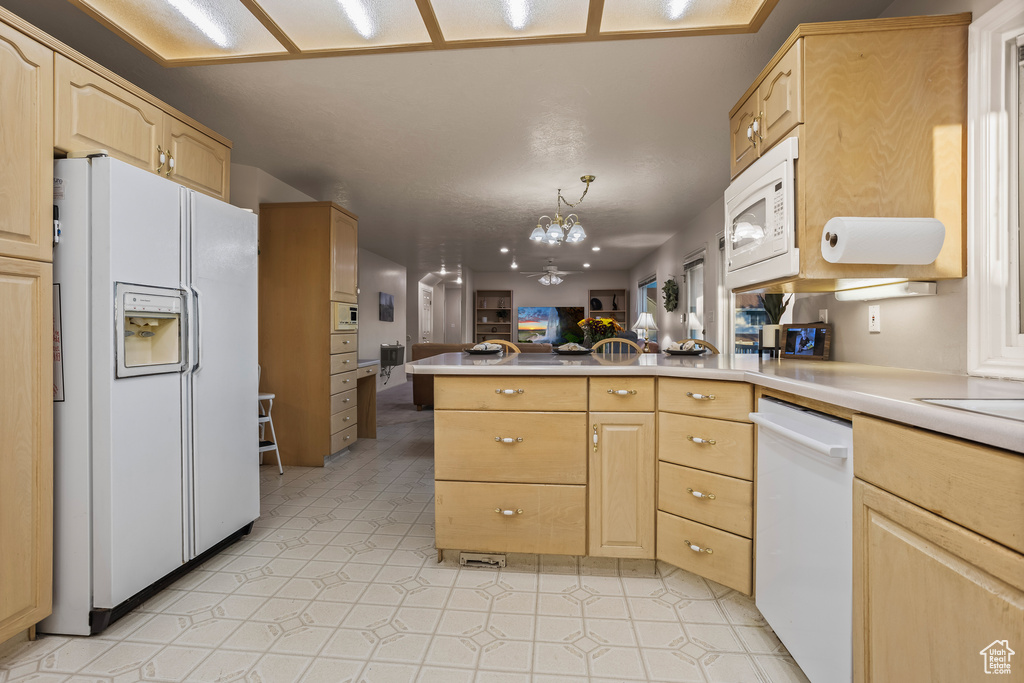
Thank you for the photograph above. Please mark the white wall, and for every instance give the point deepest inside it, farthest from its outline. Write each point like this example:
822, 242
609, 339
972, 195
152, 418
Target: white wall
251, 186
667, 262
377, 274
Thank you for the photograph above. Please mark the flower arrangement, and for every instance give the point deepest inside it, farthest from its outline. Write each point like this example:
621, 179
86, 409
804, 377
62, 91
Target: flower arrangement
596, 329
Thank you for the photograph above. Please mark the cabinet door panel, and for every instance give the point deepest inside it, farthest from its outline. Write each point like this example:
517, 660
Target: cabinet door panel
622, 504
26, 138
26, 450
200, 162
344, 246
93, 113
928, 595
781, 97
741, 148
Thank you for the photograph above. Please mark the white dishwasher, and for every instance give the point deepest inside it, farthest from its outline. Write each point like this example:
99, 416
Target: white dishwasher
804, 540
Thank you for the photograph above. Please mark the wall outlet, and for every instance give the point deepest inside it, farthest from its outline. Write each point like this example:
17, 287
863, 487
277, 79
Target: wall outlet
822, 315
874, 318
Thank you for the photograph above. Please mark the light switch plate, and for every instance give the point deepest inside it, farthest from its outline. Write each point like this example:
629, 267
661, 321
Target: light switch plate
874, 318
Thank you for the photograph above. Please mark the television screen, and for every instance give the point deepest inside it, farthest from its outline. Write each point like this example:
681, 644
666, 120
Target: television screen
550, 324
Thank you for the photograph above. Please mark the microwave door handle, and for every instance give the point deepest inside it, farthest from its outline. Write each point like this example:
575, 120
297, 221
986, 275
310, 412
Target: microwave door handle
197, 363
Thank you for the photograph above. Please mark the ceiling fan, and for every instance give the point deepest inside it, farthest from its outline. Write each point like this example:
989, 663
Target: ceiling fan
551, 275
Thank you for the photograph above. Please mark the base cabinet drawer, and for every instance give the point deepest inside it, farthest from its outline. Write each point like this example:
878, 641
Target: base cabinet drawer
620, 394
343, 382
343, 362
343, 401
343, 420
343, 343
724, 502
511, 447
707, 444
343, 439
706, 398
510, 393
515, 518
712, 553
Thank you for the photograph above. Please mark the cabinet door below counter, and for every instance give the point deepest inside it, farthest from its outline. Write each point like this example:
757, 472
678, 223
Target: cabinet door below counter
621, 485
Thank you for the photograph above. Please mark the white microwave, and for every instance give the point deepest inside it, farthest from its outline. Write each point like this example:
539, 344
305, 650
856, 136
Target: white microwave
760, 220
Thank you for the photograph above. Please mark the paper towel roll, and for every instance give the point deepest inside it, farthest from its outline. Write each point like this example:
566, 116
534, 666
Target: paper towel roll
906, 241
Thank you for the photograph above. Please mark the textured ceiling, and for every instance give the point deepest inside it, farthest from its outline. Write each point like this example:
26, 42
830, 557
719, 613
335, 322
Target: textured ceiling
448, 155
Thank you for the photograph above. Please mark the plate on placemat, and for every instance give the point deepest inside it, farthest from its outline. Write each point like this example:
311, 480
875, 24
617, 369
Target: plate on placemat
689, 352
573, 353
483, 352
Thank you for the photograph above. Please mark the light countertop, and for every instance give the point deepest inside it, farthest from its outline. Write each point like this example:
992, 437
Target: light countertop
367, 362
890, 393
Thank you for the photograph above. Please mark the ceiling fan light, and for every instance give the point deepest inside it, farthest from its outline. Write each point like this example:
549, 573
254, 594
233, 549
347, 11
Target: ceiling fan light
555, 280
544, 280
538, 234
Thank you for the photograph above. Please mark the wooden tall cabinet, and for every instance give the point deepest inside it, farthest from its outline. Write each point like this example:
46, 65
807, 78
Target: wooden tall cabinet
26, 329
879, 108
308, 255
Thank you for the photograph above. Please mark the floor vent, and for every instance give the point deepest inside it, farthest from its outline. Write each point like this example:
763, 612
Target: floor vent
481, 560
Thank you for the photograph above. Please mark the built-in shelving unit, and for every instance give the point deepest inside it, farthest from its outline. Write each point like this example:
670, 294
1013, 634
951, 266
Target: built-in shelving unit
494, 315
614, 305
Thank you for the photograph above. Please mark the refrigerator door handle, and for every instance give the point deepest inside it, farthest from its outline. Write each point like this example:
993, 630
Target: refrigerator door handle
197, 363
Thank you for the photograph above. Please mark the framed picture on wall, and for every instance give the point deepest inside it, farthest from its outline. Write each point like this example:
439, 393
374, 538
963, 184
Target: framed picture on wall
387, 307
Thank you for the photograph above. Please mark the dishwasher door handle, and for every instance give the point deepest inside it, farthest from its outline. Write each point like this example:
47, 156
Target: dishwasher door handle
765, 421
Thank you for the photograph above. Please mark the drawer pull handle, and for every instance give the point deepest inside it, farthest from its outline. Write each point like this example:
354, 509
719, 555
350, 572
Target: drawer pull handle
346, 362
509, 513
701, 397
508, 392
347, 341
346, 400
700, 494
698, 549
622, 392
697, 439
346, 419
508, 439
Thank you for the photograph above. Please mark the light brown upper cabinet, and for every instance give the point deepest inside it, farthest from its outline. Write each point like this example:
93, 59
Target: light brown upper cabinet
26, 138
199, 161
93, 112
768, 113
344, 245
879, 108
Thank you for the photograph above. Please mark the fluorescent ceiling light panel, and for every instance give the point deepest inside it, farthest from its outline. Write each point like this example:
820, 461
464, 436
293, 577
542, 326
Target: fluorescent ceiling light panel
479, 20
348, 24
187, 29
679, 15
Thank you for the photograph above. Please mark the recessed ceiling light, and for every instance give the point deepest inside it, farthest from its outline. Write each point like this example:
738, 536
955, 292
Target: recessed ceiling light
443, 271
677, 8
586, 265
504, 250
458, 280
201, 21
356, 12
514, 264
517, 12
595, 249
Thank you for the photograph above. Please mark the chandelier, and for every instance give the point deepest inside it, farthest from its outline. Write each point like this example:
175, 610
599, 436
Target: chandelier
558, 229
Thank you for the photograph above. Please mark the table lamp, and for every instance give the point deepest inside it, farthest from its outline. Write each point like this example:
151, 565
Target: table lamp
645, 323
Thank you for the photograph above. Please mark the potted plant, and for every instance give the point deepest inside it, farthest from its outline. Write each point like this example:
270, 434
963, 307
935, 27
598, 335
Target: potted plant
596, 329
774, 306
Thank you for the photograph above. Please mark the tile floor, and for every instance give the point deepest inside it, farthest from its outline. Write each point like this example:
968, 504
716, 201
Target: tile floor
339, 582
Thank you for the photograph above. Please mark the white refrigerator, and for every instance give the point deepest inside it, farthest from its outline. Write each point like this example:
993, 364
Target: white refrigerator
155, 415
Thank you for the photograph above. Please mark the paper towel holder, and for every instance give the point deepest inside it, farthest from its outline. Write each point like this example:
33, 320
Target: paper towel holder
853, 240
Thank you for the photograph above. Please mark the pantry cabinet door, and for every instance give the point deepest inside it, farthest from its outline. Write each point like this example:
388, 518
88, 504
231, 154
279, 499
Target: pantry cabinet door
742, 151
26, 449
344, 254
781, 98
94, 113
26, 143
199, 161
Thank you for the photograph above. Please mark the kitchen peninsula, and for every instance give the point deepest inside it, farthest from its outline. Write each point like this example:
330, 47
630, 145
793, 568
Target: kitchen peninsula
653, 457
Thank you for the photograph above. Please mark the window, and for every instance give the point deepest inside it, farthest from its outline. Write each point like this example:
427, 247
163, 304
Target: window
647, 300
693, 279
995, 313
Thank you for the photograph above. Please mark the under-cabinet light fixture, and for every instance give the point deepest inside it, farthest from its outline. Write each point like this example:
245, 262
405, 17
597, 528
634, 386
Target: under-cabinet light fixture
892, 290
